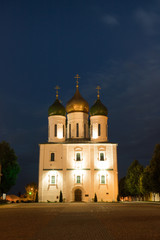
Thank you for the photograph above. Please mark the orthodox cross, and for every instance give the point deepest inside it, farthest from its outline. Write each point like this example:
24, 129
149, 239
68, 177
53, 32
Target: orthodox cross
57, 88
98, 88
77, 76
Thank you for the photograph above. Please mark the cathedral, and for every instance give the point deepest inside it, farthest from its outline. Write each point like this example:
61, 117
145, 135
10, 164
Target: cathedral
78, 160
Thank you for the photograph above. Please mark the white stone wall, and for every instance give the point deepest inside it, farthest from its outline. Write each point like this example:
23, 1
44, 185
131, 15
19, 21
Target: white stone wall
94, 121
65, 169
60, 121
77, 117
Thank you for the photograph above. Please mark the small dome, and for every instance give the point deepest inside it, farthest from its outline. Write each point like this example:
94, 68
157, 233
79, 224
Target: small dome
77, 103
98, 109
56, 109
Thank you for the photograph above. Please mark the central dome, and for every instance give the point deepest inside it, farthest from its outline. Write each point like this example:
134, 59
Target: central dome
77, 103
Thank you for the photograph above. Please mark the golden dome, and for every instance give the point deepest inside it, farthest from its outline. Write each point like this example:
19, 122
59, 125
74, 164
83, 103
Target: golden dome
77, 103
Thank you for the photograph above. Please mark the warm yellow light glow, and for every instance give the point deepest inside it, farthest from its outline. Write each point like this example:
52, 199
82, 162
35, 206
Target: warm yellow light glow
101, 165
60, 131
95, 133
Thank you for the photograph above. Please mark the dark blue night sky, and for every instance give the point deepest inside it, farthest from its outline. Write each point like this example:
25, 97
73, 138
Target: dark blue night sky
114, 44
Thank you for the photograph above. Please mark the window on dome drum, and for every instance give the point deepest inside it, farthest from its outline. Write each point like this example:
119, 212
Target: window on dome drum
78, 179
52, 157
78, 157
101, 156
55, 130
53, 180
91, 131
103, 180
77, 130
99, 129
84, 130
63, 130
69, 130
106, 130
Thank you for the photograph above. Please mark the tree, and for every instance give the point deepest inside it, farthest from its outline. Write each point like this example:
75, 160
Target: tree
31, 191
155, 170
61, 197
9, 167
146, 181
133, 179
123, 192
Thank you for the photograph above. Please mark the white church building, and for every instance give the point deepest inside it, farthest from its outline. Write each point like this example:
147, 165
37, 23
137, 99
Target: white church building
78, 159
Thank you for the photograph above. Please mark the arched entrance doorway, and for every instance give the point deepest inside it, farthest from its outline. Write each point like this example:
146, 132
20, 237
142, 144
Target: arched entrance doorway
78, 195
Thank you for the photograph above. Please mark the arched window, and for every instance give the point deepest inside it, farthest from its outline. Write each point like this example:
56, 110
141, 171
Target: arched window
63, 130
53, 179
84, 130
77, 130
101, 156
103, 179
78, 156
55, 130
78, 179
69, 130
52, 157
106, 130
99, 129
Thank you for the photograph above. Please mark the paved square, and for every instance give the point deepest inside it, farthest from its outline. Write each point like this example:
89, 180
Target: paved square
46, 221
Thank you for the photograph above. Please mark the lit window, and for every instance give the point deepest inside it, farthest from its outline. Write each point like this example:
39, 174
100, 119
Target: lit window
103, 179
52, 156
53, 180
55, 130
99, 129
101, 156
78, 157
78, 179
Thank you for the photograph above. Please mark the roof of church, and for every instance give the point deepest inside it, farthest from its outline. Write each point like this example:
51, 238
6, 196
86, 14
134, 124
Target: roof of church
98, 109
56, 109
77, 103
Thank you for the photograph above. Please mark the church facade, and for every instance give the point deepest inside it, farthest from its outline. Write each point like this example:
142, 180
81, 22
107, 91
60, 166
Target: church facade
78, 159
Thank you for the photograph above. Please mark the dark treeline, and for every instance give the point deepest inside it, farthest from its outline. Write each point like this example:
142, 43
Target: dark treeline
139, 181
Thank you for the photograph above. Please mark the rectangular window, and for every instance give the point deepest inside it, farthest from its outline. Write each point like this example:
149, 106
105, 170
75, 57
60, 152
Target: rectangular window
106, 130
55, 130
78, 179
78, 157
103, 180
91, 131
84, 130
101, 156
52, 157
53, 180
69, 130
63, 130
77, 128
99, 129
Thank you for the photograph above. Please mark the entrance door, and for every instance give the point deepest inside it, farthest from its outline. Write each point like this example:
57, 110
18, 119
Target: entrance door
78, 195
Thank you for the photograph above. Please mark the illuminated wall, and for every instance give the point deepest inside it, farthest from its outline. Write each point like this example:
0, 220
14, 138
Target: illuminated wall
56, 128
81, 119
99, 128
92, 173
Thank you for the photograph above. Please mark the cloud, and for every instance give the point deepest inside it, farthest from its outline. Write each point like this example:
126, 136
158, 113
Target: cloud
110, 20
148, 20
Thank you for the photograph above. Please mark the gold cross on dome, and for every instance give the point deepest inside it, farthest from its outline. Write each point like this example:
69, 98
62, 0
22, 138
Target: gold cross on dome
57, 88
98, 88
77, 76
